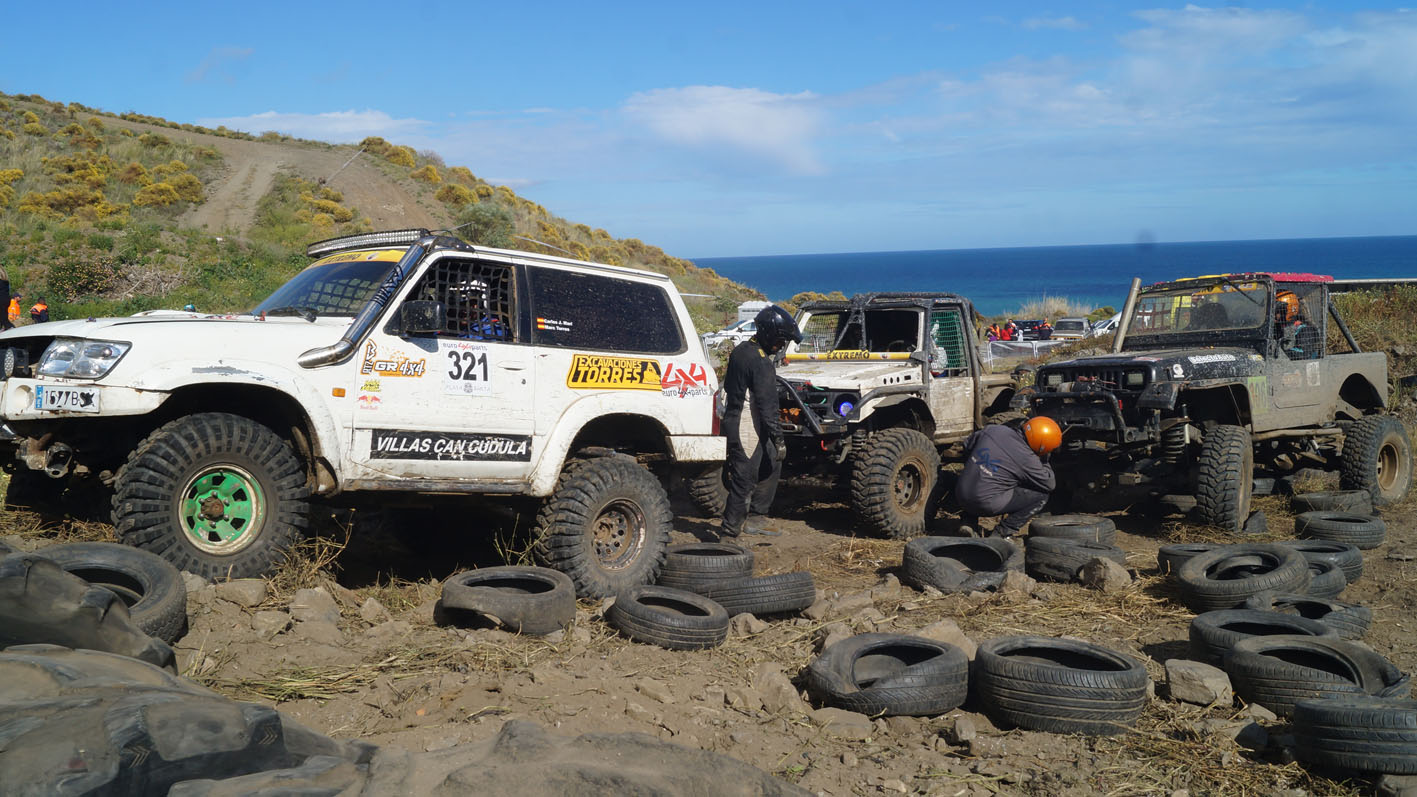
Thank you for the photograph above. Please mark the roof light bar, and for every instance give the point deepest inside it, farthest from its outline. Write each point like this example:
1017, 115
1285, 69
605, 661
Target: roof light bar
368, 239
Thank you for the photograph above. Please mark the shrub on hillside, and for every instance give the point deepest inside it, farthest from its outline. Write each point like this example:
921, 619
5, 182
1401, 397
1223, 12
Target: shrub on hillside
162, 170
65, 202
483, 191
334, 210
30, 118
35, 129
487, 224
134, 174
7, 133
154, 140
505, 194
462, 174
428, 174
455, 195
187, 185
159, 195
331, 194
8, 176
7, 195
75, 278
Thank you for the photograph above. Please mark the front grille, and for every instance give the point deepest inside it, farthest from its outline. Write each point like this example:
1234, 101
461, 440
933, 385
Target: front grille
1104, 377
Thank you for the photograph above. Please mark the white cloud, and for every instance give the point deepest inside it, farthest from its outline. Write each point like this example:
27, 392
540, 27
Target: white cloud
334, 126
214, 65
1060, 23
767, 127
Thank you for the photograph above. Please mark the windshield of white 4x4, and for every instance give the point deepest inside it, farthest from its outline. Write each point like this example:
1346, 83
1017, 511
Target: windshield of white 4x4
338, 285
1202, 307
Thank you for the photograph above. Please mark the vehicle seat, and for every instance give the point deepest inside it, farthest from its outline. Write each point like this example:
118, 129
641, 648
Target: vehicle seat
1209, 316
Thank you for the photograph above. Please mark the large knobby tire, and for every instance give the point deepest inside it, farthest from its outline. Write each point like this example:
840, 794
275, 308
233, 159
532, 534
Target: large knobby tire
704, 564
1059, 685
1377, 457
889, 675
1224, 477
1213, 634
528, 600
215, 494
1362, 734
1350, 620
606, 526
1279, 671
670, 618
1228, 576
893, 482
148, 585
708, 489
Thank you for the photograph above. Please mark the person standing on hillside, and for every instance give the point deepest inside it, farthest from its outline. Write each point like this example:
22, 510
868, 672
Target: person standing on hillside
1006, 472
13, 315
39, 313
756, 447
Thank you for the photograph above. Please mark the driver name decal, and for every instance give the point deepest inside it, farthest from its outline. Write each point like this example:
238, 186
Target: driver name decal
449, 446
596, 372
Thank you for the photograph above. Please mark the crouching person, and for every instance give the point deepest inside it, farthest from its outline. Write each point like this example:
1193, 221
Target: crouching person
1006, 472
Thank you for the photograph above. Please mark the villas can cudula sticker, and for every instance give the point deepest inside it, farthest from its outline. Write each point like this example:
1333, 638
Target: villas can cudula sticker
450, 446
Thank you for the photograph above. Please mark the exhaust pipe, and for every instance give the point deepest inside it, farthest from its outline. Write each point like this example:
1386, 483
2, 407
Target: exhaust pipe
1127, 309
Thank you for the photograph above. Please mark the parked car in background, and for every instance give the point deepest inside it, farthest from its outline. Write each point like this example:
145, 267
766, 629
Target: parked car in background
735, 334
1033, 330
1072, 329
1107, 325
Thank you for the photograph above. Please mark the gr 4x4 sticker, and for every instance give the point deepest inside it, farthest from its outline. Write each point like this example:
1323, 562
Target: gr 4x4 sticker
597, 372
392, 363
680, 381
453, 446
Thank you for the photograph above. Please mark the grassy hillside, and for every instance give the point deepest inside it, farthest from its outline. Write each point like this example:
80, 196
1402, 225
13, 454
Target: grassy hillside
99, 212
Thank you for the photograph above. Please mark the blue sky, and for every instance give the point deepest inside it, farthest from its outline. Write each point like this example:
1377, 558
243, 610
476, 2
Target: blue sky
746, 128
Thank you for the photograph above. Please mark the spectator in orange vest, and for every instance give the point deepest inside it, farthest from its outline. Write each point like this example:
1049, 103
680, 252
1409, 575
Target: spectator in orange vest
40, 312
12, 317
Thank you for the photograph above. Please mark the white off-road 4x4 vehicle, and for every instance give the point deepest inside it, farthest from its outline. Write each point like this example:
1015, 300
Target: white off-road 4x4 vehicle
401, 362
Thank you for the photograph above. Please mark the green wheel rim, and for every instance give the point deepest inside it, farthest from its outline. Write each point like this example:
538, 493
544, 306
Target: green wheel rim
222, 508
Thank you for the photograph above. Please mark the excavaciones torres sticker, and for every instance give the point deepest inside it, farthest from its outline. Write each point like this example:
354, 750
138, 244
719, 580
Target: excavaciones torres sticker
451, 446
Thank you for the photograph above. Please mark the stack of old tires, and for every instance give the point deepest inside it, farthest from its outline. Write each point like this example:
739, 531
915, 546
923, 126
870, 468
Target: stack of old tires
958, 564
1059, 546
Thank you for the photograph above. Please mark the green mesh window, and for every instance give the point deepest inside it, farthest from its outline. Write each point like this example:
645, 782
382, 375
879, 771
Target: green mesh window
948, 357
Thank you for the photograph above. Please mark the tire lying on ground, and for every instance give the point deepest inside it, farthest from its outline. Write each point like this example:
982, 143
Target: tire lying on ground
1089, 528
1214, 634
528, 600
1360, 734
1326, 579
1356, 501
148, 585
88, 722
670, 618
890, 674
1226, 577
1279, 671
1344, 554
1350, 620
1364, 531
956, 564
691, 565
1169, 558
1053, 559
765, 595
1058, 685
40, 603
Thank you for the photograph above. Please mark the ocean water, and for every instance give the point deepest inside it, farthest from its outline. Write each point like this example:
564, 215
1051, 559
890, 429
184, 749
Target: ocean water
1000, 281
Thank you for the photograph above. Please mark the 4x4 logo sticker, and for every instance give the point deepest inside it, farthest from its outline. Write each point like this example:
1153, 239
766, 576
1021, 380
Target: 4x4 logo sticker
594, 372
452, 446
680, 382
394, 363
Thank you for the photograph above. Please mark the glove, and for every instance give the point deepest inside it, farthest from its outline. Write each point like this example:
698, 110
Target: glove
780, 448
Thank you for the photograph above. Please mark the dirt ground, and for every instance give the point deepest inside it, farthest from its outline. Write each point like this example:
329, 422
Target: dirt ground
389, 671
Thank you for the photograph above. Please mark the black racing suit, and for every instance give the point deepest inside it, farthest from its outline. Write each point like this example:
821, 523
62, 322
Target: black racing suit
1002, 476
750, 421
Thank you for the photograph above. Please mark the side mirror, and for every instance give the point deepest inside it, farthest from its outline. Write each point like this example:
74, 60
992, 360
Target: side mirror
422, 317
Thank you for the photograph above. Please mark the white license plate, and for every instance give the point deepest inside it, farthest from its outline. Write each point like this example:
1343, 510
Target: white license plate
66, 399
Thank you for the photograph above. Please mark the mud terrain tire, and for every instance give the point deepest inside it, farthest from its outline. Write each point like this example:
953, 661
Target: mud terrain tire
1361, 734
1350, 620
893, 482
670, 618
1363, 531
692, 565
1279, 671
42, 604
215, 494
1226, 577
1059, 685
708, 489
1377, 457
890, 675
1224, 479
606, 526
526, 600
1214, 634
1089, 528
148, 585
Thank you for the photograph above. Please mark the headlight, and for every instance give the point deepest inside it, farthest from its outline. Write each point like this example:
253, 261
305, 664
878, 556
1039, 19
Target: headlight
1135, 379
1052, 380
81, 359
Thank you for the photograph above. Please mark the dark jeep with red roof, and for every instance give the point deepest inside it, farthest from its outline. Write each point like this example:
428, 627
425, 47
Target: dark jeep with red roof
1209, 376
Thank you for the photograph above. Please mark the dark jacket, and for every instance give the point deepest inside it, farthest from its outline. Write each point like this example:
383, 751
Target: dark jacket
750, 397
1000, 460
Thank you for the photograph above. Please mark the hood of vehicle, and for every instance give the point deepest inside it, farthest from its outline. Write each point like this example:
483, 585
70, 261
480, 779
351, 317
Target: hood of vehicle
852, 374
1186, 363
172, 327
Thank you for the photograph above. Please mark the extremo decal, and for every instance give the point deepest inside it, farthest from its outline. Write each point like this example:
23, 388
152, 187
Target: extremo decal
454, 446
597, 372
392, 363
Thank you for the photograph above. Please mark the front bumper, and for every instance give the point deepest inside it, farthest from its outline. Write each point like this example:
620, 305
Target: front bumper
1091, 415
698, 448
17, 400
